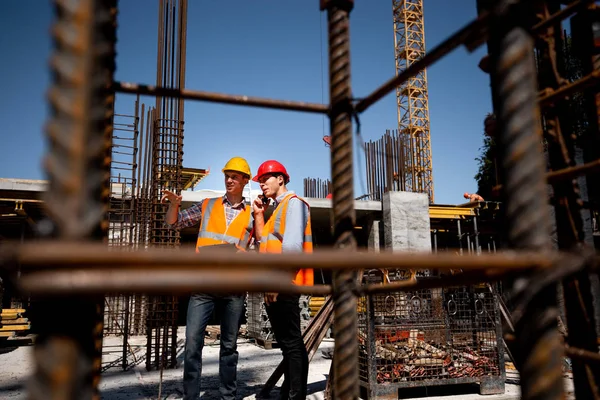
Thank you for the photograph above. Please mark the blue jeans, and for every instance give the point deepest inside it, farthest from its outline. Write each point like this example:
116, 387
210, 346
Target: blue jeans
200, 310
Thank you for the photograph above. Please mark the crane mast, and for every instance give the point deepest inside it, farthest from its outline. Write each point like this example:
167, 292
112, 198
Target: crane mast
412, 97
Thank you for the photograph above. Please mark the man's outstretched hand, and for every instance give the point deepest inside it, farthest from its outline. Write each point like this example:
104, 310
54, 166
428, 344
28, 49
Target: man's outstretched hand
172, 197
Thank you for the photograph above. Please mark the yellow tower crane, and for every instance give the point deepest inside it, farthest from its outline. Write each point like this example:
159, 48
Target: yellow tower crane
412, 97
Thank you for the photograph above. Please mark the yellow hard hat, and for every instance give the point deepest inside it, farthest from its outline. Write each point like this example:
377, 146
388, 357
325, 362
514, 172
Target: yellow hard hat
238, 164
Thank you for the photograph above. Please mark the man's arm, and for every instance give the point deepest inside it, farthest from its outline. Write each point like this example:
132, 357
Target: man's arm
296, 219
172, 213
184, 218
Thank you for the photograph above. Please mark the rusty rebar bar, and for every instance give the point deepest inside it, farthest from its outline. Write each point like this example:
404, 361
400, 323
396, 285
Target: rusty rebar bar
65, 255
581, 354
527, 211
187, 94
550, 96
161, 282
177, 280
472, 34
573, 7
345, 357
447, 46
593, 167
79, 131
571, 352
579, 304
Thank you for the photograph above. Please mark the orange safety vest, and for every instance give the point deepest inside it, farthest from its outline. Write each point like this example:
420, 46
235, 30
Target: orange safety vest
274, 231
214, 229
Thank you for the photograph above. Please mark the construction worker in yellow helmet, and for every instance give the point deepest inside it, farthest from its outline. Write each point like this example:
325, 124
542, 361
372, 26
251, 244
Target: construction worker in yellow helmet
225, 220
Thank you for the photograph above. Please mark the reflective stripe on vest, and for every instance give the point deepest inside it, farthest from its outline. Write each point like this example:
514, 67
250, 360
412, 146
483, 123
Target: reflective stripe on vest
214, 229
273, 234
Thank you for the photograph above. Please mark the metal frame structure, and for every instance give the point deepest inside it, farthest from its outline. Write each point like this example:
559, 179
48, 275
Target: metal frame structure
167, 165
69, 269
412, 99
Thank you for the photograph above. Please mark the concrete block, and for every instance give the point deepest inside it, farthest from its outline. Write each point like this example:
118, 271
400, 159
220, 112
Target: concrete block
406, 222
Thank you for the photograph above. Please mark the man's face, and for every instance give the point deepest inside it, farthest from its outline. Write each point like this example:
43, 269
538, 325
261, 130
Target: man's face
269, 184
235, 182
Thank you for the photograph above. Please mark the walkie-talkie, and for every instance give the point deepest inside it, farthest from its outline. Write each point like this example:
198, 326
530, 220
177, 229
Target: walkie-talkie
265, 200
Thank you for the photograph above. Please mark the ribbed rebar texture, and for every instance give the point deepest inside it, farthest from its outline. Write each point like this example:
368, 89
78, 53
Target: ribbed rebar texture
560, 135
527, 209
76, 163
68, 349
346, 345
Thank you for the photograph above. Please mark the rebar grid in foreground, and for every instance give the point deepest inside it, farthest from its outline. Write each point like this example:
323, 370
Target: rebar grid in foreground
85, 218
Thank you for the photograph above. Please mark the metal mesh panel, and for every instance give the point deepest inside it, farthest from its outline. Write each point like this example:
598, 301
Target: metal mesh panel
161, 332
429, 336
258, 325
125, 313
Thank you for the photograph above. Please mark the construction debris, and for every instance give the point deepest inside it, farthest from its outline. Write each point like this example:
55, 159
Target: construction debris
417, 358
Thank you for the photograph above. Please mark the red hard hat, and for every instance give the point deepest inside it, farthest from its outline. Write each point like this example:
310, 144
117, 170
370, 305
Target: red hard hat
271, 167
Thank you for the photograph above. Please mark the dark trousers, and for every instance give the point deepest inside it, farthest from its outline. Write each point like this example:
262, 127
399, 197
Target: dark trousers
200, 310
284, 316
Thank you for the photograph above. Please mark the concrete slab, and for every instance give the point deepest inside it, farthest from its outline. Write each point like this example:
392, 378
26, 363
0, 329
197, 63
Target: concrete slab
23, 184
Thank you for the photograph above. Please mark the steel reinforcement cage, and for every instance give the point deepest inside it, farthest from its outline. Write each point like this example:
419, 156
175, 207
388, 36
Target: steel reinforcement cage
427, 337
67, 269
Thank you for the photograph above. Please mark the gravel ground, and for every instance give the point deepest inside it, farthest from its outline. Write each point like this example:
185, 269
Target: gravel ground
254, 367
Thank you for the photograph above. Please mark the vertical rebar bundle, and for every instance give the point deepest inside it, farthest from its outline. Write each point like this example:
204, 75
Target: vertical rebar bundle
167, 163
385, 163
123, 179
128, 220
317, 187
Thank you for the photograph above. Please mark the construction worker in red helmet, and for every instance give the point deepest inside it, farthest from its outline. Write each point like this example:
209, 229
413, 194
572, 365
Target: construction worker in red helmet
223, 220
287, 230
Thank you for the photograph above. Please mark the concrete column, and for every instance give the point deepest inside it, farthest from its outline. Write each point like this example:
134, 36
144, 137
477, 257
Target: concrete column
375, 236
406, 224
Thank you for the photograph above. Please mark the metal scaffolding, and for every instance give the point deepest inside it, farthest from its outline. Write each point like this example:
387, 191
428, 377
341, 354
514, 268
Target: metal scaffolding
412, 99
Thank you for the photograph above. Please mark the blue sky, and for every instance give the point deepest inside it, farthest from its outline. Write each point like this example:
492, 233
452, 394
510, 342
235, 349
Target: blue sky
258, 48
